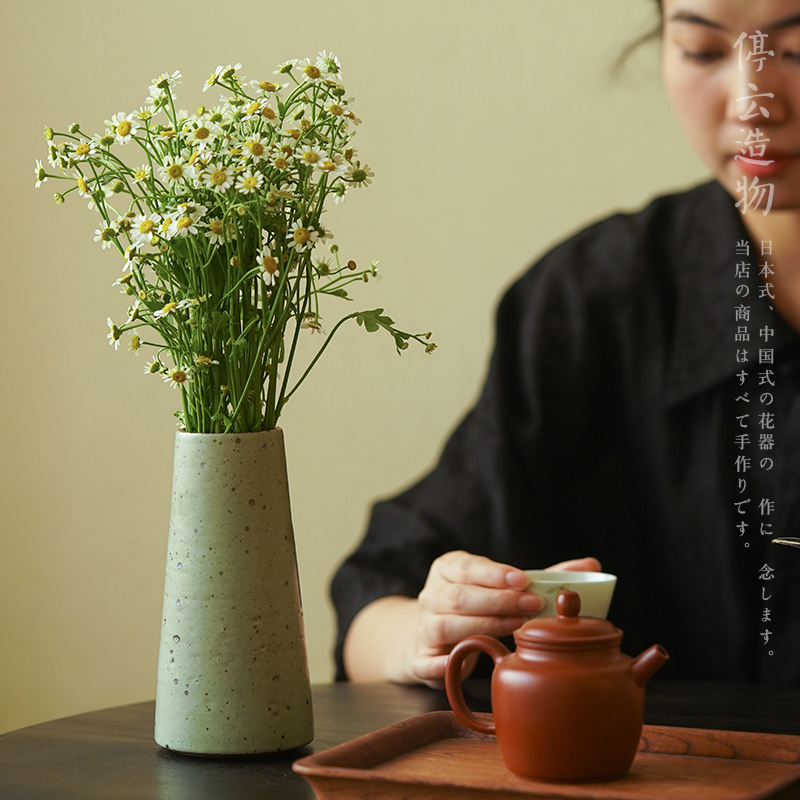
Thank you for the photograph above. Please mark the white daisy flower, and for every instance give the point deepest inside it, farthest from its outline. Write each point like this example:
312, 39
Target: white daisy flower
358, 175
247, 182
349, 115
285, 68
202, 135
182, 226
216, 231
269, 267
175, 169
193, 210
114, 334
311, 156
268, 113
177, 376
144, 228
267, 86
310, 69
166, 310
302, 238
218, 177
141, 174
52, 155
152, 367
105, 236
330, 66
131, 254
123, 126
256, 147
84, 150
163, 82
332, 165
339, 192
205, 361
323, 234
41, 176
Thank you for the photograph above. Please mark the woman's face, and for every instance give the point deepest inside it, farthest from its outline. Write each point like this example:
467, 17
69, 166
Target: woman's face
706, 81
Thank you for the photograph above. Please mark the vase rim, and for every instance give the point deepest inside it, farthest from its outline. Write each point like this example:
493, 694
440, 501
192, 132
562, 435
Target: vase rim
184, 432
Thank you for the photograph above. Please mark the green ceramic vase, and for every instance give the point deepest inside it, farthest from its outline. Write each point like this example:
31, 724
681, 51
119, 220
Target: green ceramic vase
232, 665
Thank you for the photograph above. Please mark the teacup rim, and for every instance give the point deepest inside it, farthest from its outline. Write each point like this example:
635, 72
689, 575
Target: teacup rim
565, 576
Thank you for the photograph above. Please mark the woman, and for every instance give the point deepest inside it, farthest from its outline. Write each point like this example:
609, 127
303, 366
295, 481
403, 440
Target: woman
642, 405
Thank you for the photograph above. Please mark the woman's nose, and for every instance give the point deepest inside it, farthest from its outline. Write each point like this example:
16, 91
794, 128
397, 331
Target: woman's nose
756, 93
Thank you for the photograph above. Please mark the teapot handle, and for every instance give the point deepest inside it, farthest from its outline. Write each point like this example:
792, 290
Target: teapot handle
452, 677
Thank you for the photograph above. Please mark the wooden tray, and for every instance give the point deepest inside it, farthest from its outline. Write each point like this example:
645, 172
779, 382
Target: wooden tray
433, 756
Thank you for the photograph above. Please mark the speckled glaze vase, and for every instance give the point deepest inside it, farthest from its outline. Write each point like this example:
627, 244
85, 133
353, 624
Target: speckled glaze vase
232, 665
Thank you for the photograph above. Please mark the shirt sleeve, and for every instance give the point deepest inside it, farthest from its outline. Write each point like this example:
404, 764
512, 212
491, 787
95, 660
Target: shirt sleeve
502, 485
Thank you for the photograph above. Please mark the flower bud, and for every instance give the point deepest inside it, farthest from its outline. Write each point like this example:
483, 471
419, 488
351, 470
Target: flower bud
59, 198
351, 264
74, 128
48, 133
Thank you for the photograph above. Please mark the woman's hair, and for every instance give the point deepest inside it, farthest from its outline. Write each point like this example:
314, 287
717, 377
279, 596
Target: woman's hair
653, 34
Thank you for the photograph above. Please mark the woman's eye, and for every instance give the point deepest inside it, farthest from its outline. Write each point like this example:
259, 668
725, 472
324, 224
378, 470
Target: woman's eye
792, 55
702, 56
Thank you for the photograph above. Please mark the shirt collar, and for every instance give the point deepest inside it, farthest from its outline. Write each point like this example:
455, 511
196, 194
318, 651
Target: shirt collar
708, 229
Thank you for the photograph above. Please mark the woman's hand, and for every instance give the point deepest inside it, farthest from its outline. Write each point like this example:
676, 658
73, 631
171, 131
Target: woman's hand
466, 594
408, 640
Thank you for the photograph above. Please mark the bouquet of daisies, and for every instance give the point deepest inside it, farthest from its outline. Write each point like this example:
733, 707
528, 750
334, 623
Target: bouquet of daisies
218, 218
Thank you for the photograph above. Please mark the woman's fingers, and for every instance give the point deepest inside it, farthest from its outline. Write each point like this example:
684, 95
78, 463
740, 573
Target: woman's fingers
471, 600
460, 567
442, 631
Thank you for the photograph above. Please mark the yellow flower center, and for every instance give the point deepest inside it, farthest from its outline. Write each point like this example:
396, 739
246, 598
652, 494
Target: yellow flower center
184, 222
202, 133
124, 128
140, 175
294, 133
250, 182
336, 110
310, 157
218, 177
82, 150
82, 185
266, 86
256, 148
215, 226
146, 225
270, 265
136, 342
179, 376
328, 166
168, 308
268, 113
281, 163
174, 171
312, 72
301, 235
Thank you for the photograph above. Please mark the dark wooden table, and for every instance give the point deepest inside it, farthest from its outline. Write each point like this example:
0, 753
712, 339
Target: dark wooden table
111, 755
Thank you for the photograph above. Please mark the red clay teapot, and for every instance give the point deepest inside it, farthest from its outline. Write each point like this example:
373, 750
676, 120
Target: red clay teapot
567, 703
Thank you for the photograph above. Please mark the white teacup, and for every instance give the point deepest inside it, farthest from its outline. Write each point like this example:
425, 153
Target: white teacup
595, 589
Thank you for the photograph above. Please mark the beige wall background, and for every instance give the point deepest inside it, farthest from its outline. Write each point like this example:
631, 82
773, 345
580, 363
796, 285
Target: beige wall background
494, 131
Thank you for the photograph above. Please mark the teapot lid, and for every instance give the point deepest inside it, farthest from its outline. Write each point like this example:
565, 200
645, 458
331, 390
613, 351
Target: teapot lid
568, 629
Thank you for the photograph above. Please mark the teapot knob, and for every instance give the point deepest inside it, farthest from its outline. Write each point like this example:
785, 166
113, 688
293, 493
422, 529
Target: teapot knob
568, 603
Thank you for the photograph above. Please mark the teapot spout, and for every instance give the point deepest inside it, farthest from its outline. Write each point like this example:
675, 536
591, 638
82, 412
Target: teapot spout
648, 663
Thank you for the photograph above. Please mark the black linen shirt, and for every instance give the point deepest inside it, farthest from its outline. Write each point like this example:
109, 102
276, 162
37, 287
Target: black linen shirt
608, 426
